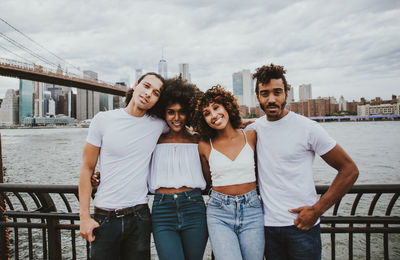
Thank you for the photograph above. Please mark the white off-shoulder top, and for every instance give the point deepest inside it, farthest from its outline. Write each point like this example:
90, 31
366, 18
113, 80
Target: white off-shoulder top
174, 165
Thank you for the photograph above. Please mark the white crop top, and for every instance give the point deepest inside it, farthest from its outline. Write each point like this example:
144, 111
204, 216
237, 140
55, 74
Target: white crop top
226, 172
174, 165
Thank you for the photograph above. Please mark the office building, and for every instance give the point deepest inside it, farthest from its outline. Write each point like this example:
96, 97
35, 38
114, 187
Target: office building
305, 92
163, 68
290, 97
38, 109
9, 109
243, 88
87, 101
342, 104
184, 71
25, 99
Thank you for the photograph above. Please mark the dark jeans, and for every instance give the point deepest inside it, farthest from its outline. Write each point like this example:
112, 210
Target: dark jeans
292, 243
122, 238
179, 225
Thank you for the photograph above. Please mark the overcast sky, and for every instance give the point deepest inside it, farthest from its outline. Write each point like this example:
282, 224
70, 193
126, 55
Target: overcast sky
349, 48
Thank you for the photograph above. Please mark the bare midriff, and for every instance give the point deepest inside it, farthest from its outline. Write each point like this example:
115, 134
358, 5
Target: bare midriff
237, 189
173, 190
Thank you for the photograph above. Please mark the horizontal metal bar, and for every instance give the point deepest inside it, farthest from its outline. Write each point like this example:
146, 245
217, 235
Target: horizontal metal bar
360, 220
360, 230
36, 214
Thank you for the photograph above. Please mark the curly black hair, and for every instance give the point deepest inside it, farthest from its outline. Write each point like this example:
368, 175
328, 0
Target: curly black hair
155, 110
265, 73
219, 95
179, 91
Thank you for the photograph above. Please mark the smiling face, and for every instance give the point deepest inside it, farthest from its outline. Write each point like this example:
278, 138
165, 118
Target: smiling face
147, 92
272, 98
175, 117
216, 116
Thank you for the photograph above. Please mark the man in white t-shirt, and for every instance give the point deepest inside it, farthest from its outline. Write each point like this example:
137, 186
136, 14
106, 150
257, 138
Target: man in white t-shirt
122, 140
286, 146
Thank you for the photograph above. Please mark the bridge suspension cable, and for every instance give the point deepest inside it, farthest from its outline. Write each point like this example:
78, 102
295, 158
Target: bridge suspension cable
4, 48
15, 43
38, 44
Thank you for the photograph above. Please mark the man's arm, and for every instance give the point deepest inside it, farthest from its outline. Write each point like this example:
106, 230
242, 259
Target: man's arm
87, 224
344, 180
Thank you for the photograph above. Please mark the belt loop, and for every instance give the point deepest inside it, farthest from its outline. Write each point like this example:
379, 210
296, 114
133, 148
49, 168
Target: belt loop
162, 197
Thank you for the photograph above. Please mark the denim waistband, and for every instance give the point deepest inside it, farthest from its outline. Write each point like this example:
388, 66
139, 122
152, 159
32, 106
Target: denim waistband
229, 198
184, 194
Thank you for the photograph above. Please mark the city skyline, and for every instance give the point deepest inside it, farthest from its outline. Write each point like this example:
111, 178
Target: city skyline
346, 48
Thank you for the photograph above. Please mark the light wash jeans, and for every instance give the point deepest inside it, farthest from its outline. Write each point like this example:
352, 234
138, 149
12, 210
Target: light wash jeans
236, 226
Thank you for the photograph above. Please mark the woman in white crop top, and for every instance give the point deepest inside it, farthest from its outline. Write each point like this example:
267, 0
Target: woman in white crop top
234, 211
178, 212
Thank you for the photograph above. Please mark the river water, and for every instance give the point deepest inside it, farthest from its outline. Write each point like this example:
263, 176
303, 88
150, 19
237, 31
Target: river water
53, 156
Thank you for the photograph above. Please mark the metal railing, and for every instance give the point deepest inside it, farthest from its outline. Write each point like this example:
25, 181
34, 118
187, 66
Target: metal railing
43, 221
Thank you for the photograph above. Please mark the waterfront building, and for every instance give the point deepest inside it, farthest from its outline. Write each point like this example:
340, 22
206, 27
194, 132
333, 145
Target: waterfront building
184, 71
9, 109
305, 92
87, 101
342, 104
52, 107
315, 107
290, 97
25, 99
243, 88
379, 107
38, 108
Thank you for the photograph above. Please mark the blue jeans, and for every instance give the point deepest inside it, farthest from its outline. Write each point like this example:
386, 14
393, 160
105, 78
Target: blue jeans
236, 226
292, 243
179, 225
122, 238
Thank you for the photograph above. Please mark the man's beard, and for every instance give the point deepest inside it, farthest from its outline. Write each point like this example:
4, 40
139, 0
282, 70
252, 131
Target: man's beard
264, 108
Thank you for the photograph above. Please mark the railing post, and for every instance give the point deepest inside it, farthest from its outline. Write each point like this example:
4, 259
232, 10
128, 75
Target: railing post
4, 236
54, 241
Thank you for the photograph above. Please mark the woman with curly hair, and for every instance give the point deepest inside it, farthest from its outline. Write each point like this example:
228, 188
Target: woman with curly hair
234, 212
176, 178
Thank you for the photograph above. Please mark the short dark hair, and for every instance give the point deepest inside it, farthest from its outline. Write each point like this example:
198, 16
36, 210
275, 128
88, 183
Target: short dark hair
219, 95
128, 95
265, 73
179, 91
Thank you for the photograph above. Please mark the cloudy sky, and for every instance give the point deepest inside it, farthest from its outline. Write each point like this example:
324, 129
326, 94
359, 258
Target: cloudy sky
344, 47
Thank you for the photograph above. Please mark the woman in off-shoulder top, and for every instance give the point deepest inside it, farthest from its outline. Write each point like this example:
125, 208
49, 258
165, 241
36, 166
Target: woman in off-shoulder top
176, 178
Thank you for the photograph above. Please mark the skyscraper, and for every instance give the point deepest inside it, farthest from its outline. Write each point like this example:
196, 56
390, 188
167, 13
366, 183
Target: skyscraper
9, 108
25, 99
162, 66
87, 101
305, 92
184, 71
243, 88
290, 97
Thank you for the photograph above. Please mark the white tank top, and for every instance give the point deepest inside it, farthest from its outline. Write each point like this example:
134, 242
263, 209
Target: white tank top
226, 172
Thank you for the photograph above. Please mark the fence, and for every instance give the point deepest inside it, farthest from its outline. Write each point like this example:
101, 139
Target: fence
43, 221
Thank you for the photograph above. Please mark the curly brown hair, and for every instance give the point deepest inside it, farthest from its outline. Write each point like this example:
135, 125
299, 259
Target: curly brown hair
219, 95
265, 73
179, 91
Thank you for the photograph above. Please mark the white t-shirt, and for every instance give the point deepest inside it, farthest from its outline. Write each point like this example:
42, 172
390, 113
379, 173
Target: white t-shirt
285, 153
127, 143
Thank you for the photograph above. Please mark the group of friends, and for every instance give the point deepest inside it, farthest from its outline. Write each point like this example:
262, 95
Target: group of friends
174, 140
